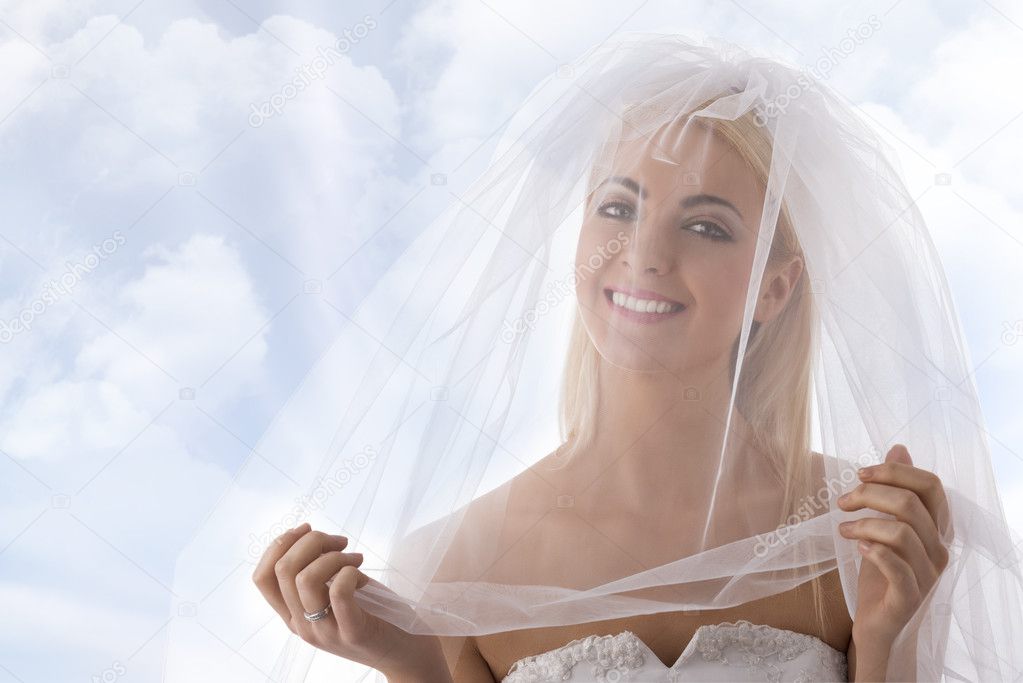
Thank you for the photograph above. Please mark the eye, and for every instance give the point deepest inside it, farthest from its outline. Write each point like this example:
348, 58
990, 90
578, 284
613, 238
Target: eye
715, 231
621, 210
617, 209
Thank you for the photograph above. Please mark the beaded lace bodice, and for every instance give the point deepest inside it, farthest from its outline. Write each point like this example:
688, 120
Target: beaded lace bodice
730, 651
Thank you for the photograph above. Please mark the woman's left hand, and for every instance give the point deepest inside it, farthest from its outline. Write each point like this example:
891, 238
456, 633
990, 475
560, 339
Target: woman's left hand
904, 556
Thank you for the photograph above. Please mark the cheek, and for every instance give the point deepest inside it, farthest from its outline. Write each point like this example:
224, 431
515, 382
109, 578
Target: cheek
719, 289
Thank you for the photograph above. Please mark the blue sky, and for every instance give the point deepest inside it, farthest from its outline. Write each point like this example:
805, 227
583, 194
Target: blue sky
207, 253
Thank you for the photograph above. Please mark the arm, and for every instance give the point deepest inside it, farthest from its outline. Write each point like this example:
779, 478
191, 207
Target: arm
873, 666
870, 662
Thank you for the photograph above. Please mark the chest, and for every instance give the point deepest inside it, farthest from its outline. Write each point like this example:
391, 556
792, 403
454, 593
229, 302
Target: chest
668, 633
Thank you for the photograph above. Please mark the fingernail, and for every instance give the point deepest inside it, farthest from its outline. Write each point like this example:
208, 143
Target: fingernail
864, 545
865, 472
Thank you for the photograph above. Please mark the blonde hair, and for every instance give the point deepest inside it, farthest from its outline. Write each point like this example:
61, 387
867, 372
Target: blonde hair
773, 396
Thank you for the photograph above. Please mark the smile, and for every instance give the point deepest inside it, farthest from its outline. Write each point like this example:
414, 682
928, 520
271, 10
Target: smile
641, 310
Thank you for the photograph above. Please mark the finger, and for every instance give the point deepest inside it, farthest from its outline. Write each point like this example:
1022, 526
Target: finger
901, 579
266, 579
898, 470
349, 616
313, 590
906, 506
898, 536
299, 555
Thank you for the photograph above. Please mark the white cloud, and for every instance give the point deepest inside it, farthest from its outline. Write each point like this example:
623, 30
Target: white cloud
966, 96
203, 282
30, 608
168, 313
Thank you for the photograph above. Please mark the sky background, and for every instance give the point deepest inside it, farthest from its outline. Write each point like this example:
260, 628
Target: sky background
206, 249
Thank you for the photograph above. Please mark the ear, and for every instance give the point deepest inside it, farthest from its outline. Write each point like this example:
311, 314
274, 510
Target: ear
777, 288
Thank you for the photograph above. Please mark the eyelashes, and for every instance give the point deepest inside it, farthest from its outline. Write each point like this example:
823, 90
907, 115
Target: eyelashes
614, 204
716, 232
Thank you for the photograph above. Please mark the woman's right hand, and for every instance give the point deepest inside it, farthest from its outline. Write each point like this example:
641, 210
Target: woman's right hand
292, 575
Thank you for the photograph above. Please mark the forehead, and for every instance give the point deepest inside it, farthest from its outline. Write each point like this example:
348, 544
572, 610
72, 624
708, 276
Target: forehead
679, 160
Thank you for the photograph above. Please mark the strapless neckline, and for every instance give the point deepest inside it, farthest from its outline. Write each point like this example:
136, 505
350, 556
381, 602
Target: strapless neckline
764, 652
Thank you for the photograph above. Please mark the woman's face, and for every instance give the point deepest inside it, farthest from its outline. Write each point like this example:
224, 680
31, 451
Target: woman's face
689, 210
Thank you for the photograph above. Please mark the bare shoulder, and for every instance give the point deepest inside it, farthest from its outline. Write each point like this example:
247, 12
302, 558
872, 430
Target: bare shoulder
453, 537
821, 462
460, 544
823, 465
469, 538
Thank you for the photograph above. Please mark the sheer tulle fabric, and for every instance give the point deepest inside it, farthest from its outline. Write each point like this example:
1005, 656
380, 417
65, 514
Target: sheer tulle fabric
484, 431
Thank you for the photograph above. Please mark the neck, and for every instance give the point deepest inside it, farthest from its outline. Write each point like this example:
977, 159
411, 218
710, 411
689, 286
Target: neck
665, 429
662, 407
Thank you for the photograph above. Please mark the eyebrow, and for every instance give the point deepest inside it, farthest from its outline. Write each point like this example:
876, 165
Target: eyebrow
687, 203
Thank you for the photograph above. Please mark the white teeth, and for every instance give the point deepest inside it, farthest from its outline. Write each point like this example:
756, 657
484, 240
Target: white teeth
643, 305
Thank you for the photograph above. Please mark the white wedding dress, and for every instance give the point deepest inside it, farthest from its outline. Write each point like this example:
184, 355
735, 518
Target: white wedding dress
730, 651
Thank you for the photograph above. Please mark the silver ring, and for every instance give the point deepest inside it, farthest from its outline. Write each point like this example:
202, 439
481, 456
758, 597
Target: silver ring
316, 616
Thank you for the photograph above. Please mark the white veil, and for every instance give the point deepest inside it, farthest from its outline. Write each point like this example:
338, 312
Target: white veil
628, 374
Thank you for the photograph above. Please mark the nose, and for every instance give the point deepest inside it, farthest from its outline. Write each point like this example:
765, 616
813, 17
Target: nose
648, 251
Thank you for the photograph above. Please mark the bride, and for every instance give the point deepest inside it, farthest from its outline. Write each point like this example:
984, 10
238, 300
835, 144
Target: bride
739, 298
